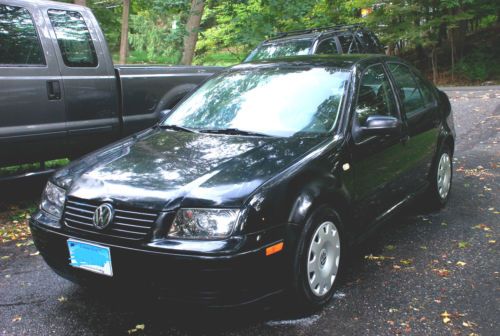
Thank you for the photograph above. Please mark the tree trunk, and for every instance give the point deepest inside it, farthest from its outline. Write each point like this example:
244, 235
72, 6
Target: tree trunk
192, 27
452, 47
434, 64
124, 37
80, 2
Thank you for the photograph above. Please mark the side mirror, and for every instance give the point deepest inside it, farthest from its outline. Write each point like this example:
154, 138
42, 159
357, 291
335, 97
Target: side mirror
164, 114
379, 125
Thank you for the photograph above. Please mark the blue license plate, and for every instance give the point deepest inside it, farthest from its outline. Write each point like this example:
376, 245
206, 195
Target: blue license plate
91, 257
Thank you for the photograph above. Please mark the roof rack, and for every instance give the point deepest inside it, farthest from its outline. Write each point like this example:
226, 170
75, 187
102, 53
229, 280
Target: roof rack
317, 30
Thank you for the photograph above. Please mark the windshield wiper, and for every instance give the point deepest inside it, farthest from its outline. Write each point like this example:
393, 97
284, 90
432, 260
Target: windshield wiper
178, 128
233, 131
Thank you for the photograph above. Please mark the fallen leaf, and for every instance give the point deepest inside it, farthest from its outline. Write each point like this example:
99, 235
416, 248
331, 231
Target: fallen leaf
5, 257
461, 263
445, 314
463, 244
35, 254
442, 272
446, 317
390, 247
136, 329
406, 262
379, 258
17, 318
491, 241
62, 299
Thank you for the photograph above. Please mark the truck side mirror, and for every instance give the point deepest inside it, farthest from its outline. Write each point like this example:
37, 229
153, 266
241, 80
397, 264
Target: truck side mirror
164, 114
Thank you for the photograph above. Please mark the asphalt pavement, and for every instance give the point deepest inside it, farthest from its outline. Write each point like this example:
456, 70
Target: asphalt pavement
422, 274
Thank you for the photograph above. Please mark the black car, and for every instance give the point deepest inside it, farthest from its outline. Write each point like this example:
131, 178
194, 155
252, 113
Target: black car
256, 184
341, 39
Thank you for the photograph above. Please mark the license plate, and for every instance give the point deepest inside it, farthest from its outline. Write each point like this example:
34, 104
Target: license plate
91, 257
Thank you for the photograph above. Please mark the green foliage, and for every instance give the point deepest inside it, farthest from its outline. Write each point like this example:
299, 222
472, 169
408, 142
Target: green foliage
479, 66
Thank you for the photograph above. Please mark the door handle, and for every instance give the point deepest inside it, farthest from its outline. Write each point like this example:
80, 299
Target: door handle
54, 90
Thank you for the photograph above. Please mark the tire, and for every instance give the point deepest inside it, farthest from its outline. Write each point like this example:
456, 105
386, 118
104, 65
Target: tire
318, 259
441, 179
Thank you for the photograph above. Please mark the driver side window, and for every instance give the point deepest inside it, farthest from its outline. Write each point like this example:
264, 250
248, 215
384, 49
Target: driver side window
375, 95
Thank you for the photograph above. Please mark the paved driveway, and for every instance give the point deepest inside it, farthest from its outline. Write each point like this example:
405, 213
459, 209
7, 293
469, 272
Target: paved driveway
422, 274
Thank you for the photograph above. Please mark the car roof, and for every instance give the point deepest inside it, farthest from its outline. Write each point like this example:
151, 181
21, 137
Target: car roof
342, 61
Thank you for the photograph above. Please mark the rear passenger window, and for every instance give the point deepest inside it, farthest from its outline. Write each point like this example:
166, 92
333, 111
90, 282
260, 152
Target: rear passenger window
409, 91
327, 47
19, 43
375, 96
426, 91
74, 39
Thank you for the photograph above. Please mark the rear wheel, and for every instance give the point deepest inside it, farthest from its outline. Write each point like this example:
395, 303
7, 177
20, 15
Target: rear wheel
318, 259
441, 179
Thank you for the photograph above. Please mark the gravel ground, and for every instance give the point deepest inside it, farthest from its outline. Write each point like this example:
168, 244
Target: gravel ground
421, 274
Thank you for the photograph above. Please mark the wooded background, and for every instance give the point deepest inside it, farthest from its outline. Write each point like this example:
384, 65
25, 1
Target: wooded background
451, 40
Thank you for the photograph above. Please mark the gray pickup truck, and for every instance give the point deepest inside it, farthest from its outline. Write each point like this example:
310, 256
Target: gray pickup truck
61, 95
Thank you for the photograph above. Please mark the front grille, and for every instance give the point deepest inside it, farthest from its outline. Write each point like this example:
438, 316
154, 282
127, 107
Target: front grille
128, 223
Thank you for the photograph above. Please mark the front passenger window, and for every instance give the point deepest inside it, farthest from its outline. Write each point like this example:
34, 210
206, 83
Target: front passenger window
375, 96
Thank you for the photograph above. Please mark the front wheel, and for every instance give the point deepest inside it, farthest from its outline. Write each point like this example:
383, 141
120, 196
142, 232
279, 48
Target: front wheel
318, 258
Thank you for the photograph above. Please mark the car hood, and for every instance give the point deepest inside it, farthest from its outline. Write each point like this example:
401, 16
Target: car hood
163, 169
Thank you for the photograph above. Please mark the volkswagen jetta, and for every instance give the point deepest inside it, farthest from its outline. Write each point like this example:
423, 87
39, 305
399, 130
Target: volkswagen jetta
256, 184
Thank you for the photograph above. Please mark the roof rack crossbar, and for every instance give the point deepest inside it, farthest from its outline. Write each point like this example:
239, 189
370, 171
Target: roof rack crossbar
319, 29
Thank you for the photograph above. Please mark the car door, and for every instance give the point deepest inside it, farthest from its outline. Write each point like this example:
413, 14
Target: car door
379, 161
420, 108
32, 117
88, 78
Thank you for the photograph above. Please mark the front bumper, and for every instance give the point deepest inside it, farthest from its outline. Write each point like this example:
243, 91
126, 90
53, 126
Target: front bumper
207, 280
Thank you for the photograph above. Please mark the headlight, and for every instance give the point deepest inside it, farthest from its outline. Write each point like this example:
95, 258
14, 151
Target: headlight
53, 199
204, 223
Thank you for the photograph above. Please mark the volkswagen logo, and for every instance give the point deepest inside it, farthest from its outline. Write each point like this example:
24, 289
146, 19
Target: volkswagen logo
103, 215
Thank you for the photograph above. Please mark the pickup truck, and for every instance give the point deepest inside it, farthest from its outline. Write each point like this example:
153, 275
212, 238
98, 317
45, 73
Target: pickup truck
60, 94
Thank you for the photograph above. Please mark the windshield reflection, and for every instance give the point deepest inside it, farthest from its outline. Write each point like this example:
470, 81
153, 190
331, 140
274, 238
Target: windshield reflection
274, 101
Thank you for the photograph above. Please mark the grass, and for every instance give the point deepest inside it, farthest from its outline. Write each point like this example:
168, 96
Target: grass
31, 167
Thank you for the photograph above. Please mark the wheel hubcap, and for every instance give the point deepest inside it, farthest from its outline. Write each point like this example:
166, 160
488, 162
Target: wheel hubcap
323, 258
444, 175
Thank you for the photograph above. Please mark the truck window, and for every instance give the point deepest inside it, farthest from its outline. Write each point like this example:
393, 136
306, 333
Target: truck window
348, 43
327, 47
19, 43
73, 37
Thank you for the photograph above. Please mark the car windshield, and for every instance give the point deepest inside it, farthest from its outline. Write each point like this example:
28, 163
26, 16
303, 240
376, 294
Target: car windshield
281, 49
270, 101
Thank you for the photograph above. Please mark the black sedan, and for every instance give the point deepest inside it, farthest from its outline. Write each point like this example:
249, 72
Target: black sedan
254, 185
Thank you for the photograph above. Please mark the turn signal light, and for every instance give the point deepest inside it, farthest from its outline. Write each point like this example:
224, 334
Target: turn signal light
274, 249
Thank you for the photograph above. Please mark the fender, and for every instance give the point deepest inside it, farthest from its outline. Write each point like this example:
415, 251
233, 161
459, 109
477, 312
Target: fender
325, 189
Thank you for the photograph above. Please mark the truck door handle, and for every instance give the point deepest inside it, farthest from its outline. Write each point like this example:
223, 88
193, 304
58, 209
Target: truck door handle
54, 90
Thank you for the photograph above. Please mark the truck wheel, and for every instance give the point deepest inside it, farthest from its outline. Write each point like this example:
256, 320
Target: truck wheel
441, 179
318, 259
